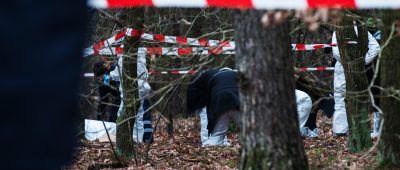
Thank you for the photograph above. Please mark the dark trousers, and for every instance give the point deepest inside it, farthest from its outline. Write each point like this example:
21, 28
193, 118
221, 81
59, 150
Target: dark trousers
41, 51
148, 130
110, 100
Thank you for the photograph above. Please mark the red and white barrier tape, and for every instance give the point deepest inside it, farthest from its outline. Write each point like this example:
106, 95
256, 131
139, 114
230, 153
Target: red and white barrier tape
154, 72
104, 45
168, 51
247, 4
191, 72
304, 47
209, 43
185, 51
97, 47
111, 51
316, 69
179, 39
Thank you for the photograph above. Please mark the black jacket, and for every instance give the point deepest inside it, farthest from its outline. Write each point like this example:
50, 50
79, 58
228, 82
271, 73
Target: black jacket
216, 89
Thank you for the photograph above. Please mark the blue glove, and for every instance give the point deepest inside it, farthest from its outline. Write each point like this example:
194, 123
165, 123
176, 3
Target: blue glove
106, 79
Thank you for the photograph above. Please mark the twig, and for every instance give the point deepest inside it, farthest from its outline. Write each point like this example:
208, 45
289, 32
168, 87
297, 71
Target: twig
111, 144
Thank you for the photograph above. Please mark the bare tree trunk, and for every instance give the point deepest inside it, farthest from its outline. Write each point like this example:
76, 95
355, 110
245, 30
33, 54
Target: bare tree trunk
131, 100
390, 103
172, 108
270, 131
353, 49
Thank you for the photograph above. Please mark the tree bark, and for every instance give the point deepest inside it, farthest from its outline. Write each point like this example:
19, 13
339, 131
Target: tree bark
389, 146
131, 100
352, 57
270, 130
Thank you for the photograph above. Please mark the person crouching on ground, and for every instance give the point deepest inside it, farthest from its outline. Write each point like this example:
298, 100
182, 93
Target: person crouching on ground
218, 91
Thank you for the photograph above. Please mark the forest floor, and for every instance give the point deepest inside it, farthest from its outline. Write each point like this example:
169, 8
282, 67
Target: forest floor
183, 151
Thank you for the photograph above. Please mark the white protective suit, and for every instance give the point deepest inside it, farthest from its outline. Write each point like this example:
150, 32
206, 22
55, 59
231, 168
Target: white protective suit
205, 139
304, 104
340, 125
144, 89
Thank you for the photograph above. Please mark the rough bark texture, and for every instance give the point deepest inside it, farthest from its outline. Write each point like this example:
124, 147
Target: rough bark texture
130, 87
172, 108
270, 131
352, 57
390, 103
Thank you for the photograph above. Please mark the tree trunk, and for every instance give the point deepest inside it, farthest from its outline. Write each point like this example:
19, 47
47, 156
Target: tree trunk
130, 87
389, 146
352, 57
270, 129
174, 63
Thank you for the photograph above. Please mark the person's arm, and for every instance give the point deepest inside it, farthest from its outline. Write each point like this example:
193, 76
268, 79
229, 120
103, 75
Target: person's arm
114, 74
335, 50
373, 49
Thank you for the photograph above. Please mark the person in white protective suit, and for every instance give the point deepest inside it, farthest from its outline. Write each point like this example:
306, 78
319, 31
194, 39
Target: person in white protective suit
216, 90
142, 131
203, 93
340, 124
304, 104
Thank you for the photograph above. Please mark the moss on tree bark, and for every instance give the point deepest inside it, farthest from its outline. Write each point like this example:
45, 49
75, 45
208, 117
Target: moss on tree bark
389, 146
352, 57
270, 131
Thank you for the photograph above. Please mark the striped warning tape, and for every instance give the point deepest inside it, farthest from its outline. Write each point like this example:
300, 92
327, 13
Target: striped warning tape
174, 51
179, 39
316, 69
185, 51
247, 4
191, 72
98, 46
118, 38
208, 43
154, 72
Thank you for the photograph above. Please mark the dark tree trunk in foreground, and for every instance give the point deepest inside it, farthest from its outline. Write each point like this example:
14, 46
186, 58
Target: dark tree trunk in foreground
270, 131
130, 87
390, 104
352, 57
174, 63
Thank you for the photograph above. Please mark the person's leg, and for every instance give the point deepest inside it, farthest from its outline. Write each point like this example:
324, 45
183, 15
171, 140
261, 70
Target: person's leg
102, 106
138, 129
221, 128
203, 124
340, 125
218, 136
304, 105
116, 102
203, 128
377, 125
147, 129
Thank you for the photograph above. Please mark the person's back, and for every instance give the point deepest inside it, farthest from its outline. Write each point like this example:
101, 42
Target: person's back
223, 105
224, 91
197, 92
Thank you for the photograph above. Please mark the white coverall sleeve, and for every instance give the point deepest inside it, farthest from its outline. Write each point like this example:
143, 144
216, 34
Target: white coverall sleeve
335, 50
373, 49
114, 75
